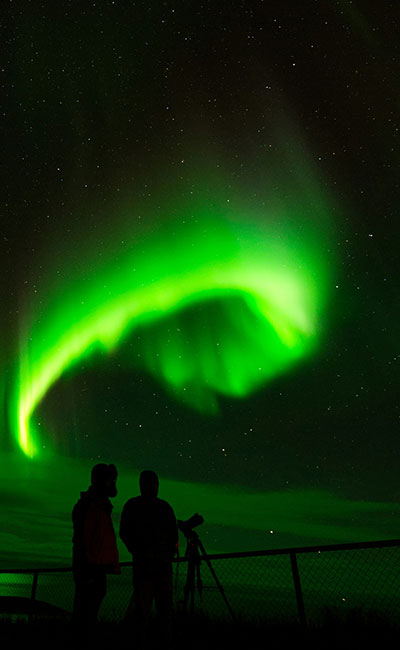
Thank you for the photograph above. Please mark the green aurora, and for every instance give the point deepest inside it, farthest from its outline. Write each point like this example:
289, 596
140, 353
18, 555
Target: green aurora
261, 285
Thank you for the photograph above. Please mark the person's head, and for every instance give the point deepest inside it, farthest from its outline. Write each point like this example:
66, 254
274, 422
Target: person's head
148, 482
104, 479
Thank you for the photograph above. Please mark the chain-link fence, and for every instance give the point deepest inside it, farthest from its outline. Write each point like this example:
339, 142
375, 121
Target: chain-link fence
286, 585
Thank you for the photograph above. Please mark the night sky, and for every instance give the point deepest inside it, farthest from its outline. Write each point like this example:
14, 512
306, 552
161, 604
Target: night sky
200, 218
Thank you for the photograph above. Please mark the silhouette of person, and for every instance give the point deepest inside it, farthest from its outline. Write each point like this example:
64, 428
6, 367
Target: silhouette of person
95, 551
148, 529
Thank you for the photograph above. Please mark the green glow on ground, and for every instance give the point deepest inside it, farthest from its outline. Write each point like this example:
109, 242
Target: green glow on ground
268, 283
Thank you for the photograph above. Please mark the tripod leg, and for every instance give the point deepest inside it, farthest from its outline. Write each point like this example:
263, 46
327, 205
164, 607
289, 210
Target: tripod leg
192, 602
189, 586
199, 581
217, 582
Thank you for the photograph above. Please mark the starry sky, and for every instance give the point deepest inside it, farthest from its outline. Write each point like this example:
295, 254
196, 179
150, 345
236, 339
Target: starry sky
213, 149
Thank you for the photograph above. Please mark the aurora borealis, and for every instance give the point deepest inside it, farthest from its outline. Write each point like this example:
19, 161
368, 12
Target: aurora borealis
269, 314
199, 267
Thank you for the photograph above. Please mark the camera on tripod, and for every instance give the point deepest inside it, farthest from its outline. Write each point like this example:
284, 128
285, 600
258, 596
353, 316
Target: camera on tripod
186, 527
195, 553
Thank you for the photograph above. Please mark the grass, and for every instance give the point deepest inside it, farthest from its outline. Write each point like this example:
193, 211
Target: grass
357, 631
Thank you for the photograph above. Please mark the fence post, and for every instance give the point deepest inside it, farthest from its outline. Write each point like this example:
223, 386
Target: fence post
297, 587
34, 585
33, 593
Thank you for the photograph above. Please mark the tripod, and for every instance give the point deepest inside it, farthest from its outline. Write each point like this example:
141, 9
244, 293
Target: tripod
193, 549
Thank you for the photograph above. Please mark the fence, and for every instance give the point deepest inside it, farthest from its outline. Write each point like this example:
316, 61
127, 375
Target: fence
283, 585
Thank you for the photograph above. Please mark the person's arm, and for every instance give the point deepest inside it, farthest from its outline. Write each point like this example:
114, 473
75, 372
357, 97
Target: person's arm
173, 534
100, 541
125, 527
92, 535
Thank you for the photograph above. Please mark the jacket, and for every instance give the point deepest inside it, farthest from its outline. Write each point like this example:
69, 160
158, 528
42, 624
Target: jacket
94, 540
149, 531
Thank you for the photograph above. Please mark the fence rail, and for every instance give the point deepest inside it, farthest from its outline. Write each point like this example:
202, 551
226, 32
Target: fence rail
302, 583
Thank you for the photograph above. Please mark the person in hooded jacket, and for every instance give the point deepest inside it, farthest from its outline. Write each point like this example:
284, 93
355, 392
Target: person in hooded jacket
95, 552
149, 530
